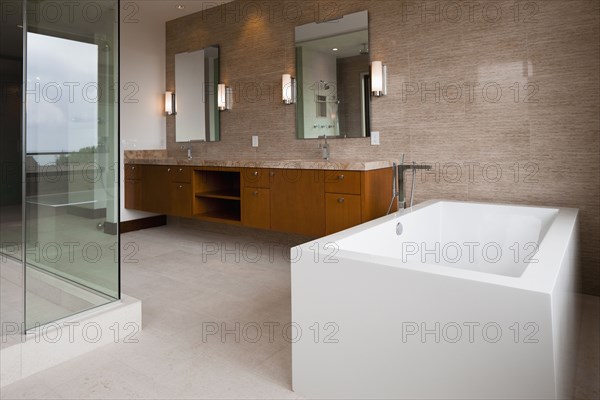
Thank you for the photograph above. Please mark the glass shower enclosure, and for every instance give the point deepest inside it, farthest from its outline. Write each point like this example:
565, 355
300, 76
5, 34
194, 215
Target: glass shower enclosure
59, 217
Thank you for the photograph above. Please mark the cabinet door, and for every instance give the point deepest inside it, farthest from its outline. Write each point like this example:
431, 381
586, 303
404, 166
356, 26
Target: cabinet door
256, 208
342, 211
156, 182
133, 194
298, 201
181, 200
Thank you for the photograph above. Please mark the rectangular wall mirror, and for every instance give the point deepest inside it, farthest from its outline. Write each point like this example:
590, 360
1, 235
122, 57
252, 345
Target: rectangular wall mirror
196, 81
333, 78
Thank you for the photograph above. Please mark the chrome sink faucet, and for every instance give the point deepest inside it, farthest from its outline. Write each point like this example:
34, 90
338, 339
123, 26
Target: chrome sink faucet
189, 148
325, 148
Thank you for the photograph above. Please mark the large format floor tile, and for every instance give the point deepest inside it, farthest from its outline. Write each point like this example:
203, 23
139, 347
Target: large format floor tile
195, 281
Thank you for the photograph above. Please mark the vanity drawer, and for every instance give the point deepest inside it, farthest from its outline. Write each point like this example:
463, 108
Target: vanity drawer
256, 177
181, 174
342, 182
133, 171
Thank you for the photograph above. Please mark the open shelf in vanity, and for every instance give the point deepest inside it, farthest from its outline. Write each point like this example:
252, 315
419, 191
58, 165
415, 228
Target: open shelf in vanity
217, 194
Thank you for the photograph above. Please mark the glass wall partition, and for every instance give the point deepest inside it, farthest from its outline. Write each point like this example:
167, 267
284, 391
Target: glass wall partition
11, 78
68, 163
11, 188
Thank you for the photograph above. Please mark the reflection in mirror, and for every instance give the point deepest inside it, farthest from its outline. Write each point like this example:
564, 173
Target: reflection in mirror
332, 64
196, 80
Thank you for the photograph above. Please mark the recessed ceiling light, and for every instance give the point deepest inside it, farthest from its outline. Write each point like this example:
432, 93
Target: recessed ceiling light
180, 6
335, 49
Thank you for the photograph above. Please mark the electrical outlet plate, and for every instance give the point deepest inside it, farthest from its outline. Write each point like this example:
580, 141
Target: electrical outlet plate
374, 138
254, 141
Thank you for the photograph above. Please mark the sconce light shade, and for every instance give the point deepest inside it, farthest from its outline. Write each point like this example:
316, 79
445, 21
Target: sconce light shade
378, 79
170, 103
288, 85
221, 97
224, 97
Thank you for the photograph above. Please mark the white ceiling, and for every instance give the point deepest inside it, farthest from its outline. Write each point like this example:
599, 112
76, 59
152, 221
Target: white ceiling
156, 11
166, 10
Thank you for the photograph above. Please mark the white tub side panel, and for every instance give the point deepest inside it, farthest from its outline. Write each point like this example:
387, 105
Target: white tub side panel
372, 305
565, 320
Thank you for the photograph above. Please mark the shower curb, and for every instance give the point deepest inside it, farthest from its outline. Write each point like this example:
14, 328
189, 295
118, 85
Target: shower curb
61, 341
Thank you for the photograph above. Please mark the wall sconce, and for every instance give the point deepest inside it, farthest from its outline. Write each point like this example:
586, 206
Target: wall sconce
225, 97
288, 85
378, 79
170, 103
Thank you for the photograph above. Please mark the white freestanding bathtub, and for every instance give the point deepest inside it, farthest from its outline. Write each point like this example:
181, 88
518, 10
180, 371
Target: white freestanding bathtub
444, 300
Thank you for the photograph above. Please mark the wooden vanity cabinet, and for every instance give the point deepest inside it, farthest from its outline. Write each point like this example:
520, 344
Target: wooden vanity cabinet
298, 201
155, 189
133, 186
180, 204
217, 195
256, 198
161, 189
342, 200
343, 182
256, 177
354, 197
308, 202
256, 208
342, 211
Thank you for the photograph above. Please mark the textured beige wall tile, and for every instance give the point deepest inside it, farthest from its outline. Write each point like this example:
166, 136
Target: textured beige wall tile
549, 50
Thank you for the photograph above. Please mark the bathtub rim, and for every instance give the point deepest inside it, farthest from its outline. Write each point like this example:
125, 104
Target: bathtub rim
539, 277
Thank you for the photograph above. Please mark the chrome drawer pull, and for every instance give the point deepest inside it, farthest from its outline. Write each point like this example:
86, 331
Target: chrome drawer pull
341, 177
254, 193
255, 173
341, 200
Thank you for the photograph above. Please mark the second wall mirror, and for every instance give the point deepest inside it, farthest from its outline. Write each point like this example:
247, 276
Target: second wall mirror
196, 81
333, 78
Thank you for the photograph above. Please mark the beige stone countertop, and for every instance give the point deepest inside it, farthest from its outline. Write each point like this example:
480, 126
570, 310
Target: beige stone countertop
343, 165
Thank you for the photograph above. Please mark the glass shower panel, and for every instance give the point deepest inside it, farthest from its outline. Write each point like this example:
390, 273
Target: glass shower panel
71, 201
11, 78
11, 188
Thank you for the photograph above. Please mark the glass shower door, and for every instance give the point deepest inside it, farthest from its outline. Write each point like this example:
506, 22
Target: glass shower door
71, 248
